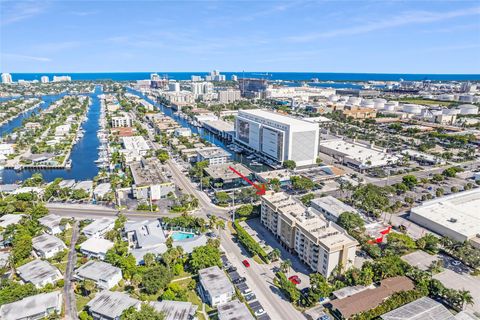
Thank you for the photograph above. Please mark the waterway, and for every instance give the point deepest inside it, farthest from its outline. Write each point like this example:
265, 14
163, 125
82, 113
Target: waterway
84, 152
205, 134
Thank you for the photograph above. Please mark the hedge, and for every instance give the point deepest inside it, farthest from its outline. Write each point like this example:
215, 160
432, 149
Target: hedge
249, 243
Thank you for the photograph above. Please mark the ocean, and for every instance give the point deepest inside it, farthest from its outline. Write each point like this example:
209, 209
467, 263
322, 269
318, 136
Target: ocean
289, 76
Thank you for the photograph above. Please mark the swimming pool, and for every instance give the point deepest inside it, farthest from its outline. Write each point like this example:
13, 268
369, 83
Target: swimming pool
177, 235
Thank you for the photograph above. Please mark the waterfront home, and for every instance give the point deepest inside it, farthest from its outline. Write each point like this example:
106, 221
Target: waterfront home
8, 188
39, 273
110, 305
62, 130
47, 246
103, 274
86, 186
41, 158
101, 190
6, 149
53, 224
38, 191
9, 219
33, 307
96, 248
67, 183
150, 182
214, 286
98, 227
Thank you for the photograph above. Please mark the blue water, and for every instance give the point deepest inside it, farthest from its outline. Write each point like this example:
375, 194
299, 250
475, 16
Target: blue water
17, 122
83, 155
322, 76
177, 235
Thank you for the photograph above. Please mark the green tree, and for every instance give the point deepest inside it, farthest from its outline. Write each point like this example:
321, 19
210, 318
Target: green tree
289, 164
222, 197
428, 243
275, 254
285, 265
410, 181
398, 243
156, 279
146, 312
244, 211
162, 155
350, 221
204, 257
319, 287
306, 199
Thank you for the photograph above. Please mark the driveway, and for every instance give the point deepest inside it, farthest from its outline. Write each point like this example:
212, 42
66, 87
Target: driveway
70, 301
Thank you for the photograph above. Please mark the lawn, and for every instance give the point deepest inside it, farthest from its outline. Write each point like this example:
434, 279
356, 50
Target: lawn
426, 102
81, 301
184, 274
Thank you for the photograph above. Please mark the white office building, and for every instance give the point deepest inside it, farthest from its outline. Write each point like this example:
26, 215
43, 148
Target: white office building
6, 78
228, 96
277, 136
61, 78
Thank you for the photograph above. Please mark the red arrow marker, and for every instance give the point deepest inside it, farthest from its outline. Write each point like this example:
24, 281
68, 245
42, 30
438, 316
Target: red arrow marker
260, 188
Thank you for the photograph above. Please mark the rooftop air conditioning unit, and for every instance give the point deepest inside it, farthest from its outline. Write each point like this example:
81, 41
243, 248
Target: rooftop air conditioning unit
453, 220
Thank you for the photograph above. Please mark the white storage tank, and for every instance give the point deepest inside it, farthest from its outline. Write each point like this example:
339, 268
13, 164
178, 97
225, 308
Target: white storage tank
412, 108
355, 101
389, 106
367, 103
379, 103
468, 109
450, 112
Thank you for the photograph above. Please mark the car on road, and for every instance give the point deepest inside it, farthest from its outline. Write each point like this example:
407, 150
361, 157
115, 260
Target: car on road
246, 263
295, 279
259, 312
239, 280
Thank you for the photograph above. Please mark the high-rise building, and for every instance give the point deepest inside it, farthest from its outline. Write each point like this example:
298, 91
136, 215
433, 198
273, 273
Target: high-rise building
174, 86
252, 87
61, 78
44, 79
228, 96
154, 77
196, 78
201, 88
278, 137
234, 77
215, 76
6, 78
319, 243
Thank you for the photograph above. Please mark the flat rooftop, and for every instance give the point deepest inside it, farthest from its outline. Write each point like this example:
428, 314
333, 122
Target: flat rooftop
96, 270
147, 172
222, 171
234, 310
359, 152
96, 245
332, 205
420, 309
213, 152
47, 242
98, 225
31, 306
215, 281
147, 233
38, 270
50, 221
458, 212
219, 125
135, 143
175, 310
278, 117
111, 304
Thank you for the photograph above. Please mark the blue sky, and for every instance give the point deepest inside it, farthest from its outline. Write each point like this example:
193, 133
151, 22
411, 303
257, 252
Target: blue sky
316, 36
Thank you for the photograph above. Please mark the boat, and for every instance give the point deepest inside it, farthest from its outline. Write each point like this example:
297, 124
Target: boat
255, 163
250, 157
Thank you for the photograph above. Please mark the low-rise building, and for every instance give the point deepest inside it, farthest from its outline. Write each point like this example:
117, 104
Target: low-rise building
357, 155
103, 274
98, 227
222, 174
53, 224
9, 219
215, 288
102, 190
33, 307
454, 216
136, 144
183, 132
224, 129
108, 305
214, 155
319, 243
86, 186
420, 309
62, 130
145, 237
123, 120
331, 207
96, 248
47, 246
234, 310
371, 298
176, 310
39, 273
149, 180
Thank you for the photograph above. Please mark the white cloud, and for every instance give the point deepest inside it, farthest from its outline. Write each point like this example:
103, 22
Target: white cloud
403, 19
12, 12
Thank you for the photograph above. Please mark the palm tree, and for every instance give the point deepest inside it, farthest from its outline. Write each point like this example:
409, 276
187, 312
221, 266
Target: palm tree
275, 254
464, 297
286, 265
212, 221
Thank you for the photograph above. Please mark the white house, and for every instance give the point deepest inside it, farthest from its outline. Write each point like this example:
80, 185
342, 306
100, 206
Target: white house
47, 246
98, 227
52, 224
96, 248
215, 288
103, 274
108, 305
33, 307
39, 273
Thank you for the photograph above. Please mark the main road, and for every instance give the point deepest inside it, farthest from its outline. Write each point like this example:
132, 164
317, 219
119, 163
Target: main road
70, 301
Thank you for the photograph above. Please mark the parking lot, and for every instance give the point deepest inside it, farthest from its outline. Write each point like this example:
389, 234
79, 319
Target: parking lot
457, 281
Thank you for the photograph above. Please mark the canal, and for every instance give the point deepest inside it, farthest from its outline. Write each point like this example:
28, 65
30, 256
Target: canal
84, 152
205, 134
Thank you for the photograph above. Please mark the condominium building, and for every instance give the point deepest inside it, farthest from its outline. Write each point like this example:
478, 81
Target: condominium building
228, 96
278, 137
123, 120
44, 79
6, 78
321, 244
201, 88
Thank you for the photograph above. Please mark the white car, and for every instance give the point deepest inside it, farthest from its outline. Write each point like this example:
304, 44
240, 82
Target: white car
259, 312
456, 263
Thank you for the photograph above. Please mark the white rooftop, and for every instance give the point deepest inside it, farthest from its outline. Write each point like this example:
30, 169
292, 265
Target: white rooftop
98, 226
30, 307
46, 243
277, 117
175, 310
458, 212
97, 270
97, 245
147, 233
420, 309
37, 271
215, 281
51, 221
111, 304
332, 205
9, 219
234, 310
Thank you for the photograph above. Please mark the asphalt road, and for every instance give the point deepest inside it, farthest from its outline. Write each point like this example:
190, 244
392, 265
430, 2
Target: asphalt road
70, 301
260, 280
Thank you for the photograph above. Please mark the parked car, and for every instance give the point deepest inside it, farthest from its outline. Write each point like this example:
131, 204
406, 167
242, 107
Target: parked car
246, 263
231, 269
239, 280
295, 279
259, 312
250, 297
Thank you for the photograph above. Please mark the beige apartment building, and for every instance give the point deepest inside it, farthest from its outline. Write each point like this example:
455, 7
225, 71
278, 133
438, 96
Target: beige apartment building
319, 243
